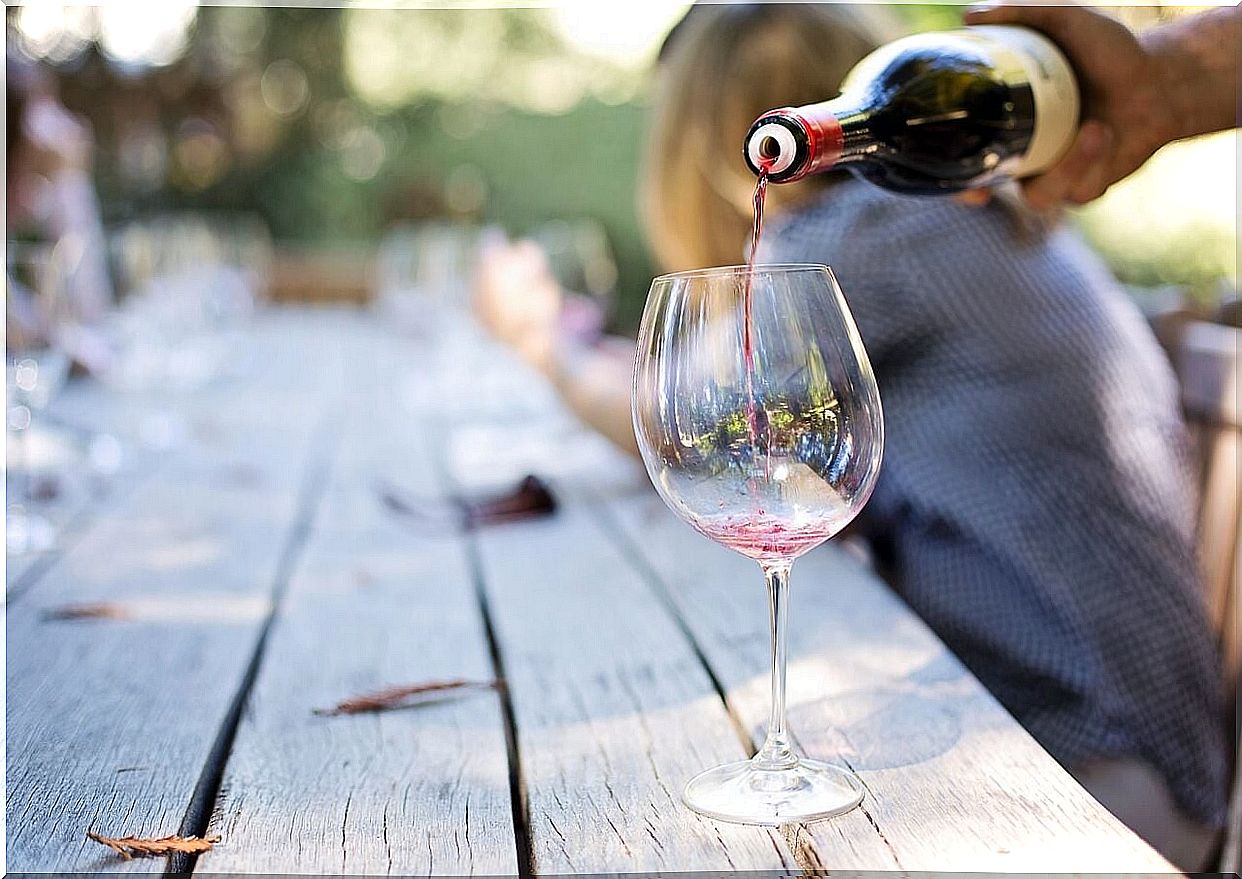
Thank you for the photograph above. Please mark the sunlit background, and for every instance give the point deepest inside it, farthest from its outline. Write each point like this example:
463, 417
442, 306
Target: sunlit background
334, 125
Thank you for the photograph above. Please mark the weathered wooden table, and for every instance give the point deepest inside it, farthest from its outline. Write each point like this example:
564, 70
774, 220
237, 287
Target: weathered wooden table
259, 577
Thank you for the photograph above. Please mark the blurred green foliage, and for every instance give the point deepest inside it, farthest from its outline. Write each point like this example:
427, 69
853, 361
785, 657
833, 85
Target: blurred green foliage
1174, 222
534, 167
529, 166
491, 119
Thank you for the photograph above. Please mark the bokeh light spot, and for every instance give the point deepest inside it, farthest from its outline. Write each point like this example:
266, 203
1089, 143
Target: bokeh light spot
145, 33
285, 87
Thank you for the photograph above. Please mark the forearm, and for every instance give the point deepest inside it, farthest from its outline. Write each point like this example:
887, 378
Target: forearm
1197, 61
595, 385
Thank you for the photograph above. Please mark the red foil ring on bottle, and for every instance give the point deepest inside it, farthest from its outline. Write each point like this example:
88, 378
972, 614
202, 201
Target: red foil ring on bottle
825, 139
818, 142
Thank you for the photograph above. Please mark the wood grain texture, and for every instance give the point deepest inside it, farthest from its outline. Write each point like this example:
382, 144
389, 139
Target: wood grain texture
614, 712
110, 722
953, 782
1206, 355
378, 599
604, 616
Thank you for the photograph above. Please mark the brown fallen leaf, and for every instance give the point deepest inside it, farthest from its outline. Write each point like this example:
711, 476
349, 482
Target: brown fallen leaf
129, 847
396, 697
97, 611
202, 607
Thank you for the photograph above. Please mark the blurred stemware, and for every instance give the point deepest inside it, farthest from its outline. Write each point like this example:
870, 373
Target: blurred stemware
423, 274
424, 281
759, 421
37, 284
191, 283
581, 259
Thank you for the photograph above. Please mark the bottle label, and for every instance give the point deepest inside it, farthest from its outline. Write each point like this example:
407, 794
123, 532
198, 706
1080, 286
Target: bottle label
1053, 88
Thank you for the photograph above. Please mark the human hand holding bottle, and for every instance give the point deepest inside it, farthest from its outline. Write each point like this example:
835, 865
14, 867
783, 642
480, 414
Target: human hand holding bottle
1140, 92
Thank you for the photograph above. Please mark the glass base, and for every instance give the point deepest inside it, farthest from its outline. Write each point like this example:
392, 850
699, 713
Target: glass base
744, 794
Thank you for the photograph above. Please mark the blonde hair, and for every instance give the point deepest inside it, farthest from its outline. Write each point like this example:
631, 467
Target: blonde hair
721, 67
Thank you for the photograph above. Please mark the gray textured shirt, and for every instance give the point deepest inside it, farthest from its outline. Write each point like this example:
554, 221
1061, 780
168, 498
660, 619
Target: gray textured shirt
1036, 502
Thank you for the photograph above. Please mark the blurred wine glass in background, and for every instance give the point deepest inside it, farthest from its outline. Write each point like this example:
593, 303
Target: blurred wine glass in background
38, 321
423, 282
423, 274
580, 257
190, 283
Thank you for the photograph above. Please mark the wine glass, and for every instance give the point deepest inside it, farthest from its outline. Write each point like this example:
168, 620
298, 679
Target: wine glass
758, 418
581, 259
38, 312
423, 272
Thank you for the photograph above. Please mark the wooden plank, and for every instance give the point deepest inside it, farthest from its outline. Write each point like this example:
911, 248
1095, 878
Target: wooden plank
953, 782
111, 722
85, 410
614, 712
1208, 366
1219, 527
377, 600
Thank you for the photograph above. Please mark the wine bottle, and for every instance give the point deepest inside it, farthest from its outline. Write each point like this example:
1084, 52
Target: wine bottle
932, 113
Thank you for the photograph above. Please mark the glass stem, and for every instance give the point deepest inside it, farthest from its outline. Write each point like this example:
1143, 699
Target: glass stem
776, 752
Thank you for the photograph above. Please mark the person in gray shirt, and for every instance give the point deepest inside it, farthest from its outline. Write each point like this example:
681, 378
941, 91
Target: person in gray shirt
1036, 502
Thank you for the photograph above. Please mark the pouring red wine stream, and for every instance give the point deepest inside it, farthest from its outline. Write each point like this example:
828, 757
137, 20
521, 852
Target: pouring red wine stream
748, 351
760, 536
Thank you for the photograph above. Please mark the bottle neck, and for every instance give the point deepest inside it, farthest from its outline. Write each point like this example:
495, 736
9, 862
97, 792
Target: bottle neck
790, 143
857, 138
853, 140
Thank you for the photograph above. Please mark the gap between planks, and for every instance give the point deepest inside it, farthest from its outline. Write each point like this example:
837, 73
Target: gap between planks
794, 834
207, 790
519, 802
598, 510
517, 787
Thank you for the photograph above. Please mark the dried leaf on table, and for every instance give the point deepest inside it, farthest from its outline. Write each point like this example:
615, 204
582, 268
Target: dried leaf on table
96, 611
400, 697
129, 847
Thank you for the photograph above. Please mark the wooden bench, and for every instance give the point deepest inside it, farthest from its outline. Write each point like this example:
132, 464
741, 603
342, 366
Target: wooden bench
1205, 357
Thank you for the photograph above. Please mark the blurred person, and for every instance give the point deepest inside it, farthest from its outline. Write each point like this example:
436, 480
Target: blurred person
519, 300
51, 199
1141, 92
1036, 504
